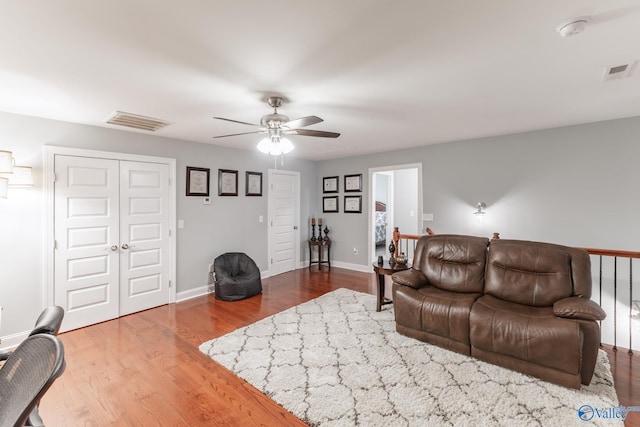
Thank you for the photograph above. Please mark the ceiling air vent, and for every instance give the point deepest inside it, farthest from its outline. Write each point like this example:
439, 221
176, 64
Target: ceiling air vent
618, 72
135, 121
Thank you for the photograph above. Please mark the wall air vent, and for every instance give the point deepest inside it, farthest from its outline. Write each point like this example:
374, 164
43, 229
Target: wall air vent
618, 72
136, 121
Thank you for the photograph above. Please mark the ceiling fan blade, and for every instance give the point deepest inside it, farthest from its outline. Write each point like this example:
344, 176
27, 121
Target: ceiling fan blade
236, 134
235, 121
309, 132
303, 121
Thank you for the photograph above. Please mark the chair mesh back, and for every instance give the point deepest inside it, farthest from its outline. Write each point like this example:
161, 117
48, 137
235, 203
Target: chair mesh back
27, 374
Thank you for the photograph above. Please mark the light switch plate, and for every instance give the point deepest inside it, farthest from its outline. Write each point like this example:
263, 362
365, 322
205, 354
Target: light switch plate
206, 200
427, 217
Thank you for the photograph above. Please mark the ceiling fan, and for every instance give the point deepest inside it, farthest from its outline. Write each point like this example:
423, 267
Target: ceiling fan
277, 126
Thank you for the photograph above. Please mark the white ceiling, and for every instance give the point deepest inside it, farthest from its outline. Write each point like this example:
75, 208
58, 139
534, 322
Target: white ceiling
387, 75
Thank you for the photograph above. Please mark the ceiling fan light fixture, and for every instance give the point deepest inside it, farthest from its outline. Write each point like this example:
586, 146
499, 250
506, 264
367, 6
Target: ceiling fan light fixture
275, 145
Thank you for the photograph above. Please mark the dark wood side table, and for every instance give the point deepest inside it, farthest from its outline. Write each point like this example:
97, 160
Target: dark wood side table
386, 269
320, 244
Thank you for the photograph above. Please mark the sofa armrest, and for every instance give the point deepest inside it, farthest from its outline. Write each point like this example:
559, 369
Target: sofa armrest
412, 278
578, 308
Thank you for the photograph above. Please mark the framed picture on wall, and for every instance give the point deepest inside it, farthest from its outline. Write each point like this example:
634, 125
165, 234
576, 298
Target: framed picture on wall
330, 204
253, 183
353, 183
353, 204
197, 181
227, 182
330, 184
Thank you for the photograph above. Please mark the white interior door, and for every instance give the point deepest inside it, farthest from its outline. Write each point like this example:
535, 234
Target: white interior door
112, 241
144, 236
86, 239
284, 234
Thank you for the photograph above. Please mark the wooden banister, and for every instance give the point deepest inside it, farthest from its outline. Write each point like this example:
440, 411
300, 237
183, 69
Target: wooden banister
397, 237
611, 252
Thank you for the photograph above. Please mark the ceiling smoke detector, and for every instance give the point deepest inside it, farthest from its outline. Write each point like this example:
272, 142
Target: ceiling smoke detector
573, 26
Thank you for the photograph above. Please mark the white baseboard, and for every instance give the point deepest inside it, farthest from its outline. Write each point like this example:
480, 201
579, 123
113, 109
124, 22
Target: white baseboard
193, 293
356, 267
12, 341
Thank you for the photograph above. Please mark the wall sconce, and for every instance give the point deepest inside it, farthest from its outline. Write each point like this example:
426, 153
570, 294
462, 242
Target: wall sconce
480, 212
21, 177
4, 185
6, 162
12, 175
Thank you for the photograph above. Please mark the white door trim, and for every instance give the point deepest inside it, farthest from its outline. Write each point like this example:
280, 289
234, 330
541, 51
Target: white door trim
372, 200
50, 152
270, 206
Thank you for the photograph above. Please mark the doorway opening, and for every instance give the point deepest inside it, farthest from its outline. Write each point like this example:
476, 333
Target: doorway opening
396, 201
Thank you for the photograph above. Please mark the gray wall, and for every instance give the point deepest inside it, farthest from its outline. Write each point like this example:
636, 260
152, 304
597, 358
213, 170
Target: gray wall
574, 185
228, 224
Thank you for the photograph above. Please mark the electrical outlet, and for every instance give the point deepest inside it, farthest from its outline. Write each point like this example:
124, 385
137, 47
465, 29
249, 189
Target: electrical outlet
355, 251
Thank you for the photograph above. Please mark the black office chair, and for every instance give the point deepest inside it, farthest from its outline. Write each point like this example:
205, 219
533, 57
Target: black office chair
236, 277
26, 376
48, 322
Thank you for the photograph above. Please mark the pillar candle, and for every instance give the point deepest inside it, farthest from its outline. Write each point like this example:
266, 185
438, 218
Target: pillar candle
313, 221
319, 221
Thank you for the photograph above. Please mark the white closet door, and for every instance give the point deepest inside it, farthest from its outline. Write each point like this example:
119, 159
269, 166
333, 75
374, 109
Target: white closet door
112, 238
86, 209
144, 236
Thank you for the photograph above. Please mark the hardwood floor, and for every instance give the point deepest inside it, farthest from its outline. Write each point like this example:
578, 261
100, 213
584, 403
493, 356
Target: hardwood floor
145, 369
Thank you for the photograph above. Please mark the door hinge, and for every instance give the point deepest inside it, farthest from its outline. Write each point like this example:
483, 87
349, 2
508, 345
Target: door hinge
169, 232
169, 283
271, 260
55, 178
55, 244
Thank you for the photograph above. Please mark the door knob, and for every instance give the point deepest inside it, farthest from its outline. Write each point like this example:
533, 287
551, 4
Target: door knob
295, 227
125, 246
114, 248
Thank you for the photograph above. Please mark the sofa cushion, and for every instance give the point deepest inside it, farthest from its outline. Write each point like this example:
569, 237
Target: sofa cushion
530, 273
452, 262
435, 311
532, 334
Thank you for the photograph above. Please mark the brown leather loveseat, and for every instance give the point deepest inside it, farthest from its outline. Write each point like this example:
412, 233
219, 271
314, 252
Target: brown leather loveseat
521, 305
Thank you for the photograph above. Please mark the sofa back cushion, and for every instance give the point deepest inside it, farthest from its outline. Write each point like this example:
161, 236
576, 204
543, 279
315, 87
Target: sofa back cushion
536, 274
452, 262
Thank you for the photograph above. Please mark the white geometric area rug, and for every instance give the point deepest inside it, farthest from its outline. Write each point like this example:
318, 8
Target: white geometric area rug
335, 361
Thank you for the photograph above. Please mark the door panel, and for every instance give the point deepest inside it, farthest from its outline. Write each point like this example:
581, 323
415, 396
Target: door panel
284, 193
144, 228
86, 209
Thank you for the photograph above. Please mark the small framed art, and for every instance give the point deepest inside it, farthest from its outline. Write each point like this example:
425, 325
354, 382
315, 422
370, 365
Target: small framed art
227, 182
330, 184
253, 183
197, 181
330, 204
353, 204
353, 183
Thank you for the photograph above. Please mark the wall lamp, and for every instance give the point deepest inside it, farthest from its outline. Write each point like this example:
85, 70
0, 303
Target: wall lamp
480, 212
12, 175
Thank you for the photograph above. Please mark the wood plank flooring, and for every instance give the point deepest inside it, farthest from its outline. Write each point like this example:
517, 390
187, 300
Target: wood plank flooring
145, 369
